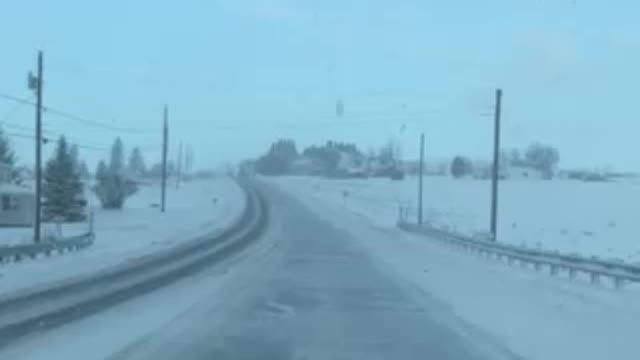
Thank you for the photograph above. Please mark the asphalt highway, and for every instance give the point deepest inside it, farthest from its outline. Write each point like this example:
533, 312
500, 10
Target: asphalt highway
318, 296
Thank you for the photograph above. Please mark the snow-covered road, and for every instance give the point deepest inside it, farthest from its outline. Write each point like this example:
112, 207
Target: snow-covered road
307, 291
325, 283
135, 231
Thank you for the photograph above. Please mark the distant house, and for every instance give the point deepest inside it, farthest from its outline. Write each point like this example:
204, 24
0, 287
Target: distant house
17, 205
352, 164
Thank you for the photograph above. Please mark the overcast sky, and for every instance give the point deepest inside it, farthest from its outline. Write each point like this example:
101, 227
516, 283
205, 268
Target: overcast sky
239, 74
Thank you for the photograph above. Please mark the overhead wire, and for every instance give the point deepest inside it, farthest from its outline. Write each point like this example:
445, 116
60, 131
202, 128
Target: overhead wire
73, 117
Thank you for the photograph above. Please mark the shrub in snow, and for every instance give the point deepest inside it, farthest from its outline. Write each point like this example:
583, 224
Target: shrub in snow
136, 166
112, 186
461, 166
112, 190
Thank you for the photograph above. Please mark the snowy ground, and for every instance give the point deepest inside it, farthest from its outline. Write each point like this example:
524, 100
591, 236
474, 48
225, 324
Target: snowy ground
534, 315
137, 230
574, 217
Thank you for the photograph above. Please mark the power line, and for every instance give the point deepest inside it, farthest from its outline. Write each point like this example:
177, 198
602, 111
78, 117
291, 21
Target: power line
81, 145
11, 112
97, 124
20, 136
17, 99
76, 141
69, 116
15, 126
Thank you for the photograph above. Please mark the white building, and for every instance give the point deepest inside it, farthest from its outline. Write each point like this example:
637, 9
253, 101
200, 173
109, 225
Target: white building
352, 164
17, 205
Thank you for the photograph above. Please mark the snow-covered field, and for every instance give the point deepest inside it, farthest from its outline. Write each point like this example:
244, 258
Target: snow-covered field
137, 230
592, 219
535, 316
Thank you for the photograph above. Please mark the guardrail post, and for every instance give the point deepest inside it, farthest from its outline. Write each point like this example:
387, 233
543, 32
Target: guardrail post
538, 259
619, 282
91, 222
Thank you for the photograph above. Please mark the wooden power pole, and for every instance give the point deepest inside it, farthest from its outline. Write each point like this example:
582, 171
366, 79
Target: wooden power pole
496, 166
35, 83
165, 145
179, 165
420, 174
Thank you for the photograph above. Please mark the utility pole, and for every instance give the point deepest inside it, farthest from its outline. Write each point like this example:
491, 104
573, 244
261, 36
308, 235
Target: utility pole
189, 160
421, 170
179, 166
165, 144
191, 156
496, 166
35, 83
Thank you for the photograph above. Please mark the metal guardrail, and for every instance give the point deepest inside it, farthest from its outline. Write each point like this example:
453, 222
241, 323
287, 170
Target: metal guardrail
15, 253
64, 302
556, 262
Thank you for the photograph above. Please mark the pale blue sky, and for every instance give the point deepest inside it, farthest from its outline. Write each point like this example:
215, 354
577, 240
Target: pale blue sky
239, 74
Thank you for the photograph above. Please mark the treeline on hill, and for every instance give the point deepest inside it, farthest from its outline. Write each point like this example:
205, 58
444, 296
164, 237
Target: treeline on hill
333, 159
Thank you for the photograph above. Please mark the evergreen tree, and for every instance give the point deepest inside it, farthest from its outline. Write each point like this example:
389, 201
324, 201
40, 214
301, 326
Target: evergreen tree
137, 166
63, 191
112, 186
101, 170
75, 158
7, 156
83, 171
116, 163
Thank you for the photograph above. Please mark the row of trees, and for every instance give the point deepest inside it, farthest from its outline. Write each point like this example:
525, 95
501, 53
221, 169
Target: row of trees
64, 178
278, 159
543, 158
325, 158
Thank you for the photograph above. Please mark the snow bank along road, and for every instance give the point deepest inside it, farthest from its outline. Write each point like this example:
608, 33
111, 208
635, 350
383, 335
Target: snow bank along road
60, 304
315, 293
135, 232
